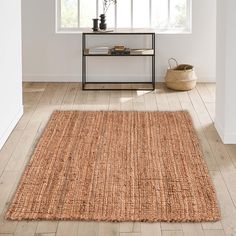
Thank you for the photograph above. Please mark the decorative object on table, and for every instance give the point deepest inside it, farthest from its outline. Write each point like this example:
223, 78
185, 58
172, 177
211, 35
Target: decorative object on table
103, 25
95, 25
99, 50
182, 77
143, 51
124, 52
151, 173
119, 48
106, 5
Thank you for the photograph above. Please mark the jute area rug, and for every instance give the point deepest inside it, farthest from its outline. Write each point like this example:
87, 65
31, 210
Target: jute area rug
116, 166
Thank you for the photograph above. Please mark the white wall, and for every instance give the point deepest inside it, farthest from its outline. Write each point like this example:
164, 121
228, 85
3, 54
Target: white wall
57, 57
10, 67
226, 77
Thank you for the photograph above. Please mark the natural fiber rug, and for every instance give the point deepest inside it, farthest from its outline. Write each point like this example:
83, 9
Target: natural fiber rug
116, 166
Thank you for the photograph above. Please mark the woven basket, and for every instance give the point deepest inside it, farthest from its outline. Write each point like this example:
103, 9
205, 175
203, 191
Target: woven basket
182, 77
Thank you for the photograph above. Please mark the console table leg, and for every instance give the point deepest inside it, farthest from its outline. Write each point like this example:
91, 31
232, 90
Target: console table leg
83, 62
153, 62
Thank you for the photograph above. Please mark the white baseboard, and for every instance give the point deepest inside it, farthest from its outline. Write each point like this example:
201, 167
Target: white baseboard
201, 79
205, 79
77, 78
52, 78
11, 126
90, 78
227, 138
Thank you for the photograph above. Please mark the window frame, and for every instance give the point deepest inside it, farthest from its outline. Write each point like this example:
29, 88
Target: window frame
186, 30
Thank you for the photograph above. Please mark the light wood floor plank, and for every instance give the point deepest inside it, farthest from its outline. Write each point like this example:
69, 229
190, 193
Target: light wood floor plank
30, 105
8, 149
70, 95
212, 88
228, 211
162, 99
7, 227
150, 101
199, 107
231, 149
33, 93
7, 181
66, 228
130, 227
130, 234
172, 233
47, 227
88, 229
211, 109
139, 101
127, 105
45, 234
214, 232
114, 104
206, 148
80, 100
193, 229
223, 160
48, 94
22, 150
59, 94
108, 229
151, 229
212, 225
183, 96
171, 226
205, 93
174, 103
26, 228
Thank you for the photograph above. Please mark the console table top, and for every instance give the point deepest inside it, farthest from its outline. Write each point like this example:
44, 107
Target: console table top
121, 31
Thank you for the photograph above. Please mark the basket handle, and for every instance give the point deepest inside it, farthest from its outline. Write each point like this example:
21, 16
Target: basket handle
185, 68
172, 59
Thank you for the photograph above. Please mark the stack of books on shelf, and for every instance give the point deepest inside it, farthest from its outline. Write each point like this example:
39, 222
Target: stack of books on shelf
142, 51
99, 50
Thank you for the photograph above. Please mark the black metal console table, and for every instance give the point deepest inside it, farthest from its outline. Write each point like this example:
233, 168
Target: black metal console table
133, 32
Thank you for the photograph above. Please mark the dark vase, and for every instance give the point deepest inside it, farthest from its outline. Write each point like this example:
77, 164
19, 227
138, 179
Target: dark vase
95, 25
103, 25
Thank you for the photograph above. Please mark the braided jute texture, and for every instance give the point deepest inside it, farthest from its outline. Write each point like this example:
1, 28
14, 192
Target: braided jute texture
116, 166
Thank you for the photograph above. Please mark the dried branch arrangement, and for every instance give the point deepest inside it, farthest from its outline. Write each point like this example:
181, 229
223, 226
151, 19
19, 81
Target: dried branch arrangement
107, 3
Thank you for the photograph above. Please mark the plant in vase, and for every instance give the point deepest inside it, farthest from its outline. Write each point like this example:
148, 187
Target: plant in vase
106, 5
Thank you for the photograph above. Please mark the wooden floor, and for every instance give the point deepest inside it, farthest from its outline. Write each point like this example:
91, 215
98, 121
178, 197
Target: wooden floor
40, 99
